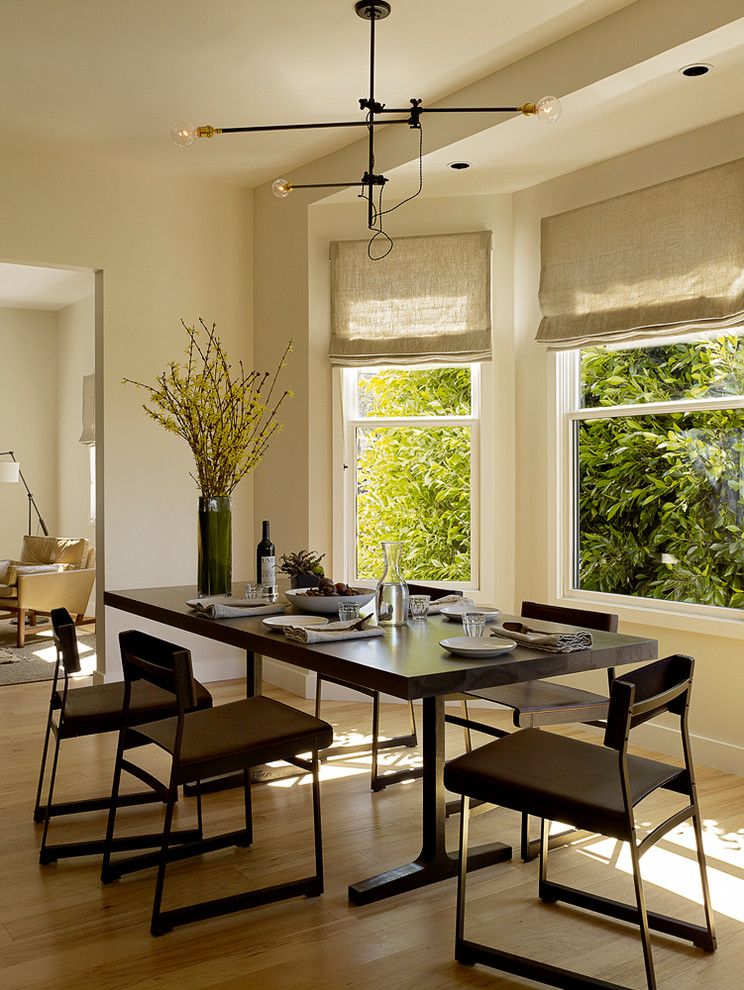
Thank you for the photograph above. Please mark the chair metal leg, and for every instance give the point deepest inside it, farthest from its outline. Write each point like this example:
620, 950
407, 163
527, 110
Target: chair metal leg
317, 826
462, 875
111, 823
39, 814
44, 858
707, 907
248, 808
318, 683
466, 728
157, 927
376, 785
648, 958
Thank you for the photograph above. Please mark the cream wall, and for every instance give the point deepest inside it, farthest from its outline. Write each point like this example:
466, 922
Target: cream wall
718, 646
28, 345
168, 248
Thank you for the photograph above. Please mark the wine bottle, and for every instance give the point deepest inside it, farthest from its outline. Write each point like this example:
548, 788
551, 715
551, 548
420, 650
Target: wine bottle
266, 561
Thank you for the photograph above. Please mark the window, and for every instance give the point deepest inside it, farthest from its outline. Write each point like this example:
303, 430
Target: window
654, 457
410, 460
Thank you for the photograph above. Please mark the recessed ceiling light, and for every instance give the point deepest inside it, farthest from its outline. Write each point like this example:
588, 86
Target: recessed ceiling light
696, 69
458, 166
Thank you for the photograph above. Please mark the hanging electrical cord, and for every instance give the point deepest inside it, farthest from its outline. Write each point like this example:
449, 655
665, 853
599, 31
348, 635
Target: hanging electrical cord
380, 213
547, 110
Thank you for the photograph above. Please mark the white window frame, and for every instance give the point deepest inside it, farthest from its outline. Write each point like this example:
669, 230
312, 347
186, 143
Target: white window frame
345, 476
564, 521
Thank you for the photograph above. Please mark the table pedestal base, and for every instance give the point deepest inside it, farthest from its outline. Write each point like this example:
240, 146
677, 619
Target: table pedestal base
422, 872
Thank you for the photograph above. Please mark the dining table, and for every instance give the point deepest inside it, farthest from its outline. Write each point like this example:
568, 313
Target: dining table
407, 662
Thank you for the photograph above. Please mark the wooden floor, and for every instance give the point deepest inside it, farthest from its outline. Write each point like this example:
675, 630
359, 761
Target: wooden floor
59, 928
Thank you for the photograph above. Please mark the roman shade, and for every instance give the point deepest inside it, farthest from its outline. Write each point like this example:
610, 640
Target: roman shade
668, 259
428, 300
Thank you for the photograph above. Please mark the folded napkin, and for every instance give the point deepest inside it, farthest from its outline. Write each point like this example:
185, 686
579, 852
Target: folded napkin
221, 607
568, 642
332, 633
436, 607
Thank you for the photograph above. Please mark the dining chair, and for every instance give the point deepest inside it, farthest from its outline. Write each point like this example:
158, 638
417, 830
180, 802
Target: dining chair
594, 788
380, 781
86, 711
543, 702
201, 744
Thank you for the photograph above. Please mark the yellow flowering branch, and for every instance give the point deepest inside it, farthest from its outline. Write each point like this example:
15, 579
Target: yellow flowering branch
226, 419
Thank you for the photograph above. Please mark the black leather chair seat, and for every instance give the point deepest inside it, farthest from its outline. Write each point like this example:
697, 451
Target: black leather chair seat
95, 708
557, 778
223, 735
546, 702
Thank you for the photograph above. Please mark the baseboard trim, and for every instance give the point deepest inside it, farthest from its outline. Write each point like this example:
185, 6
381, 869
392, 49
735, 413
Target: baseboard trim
709, 752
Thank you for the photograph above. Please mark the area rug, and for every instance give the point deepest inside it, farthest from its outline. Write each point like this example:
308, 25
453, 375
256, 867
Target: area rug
35, 661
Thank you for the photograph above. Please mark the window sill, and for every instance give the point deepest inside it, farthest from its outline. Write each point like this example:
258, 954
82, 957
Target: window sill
650, 615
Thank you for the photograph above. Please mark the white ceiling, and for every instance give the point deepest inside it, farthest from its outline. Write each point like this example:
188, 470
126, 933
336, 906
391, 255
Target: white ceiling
109, 79
31, 287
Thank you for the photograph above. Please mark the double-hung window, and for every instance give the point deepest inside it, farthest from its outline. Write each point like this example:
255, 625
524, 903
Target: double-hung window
411, 444
653, 471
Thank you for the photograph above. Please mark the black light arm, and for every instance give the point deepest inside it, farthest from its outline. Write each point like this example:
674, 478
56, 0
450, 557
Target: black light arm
31, 500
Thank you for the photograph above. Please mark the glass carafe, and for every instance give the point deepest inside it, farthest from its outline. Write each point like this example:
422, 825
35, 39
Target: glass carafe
391, 597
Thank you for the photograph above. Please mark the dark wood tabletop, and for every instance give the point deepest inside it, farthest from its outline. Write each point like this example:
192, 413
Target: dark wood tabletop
407, 662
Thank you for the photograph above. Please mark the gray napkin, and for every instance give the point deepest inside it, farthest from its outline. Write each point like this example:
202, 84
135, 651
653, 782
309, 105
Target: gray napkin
332, 633
436, 607
537, 639
221, 607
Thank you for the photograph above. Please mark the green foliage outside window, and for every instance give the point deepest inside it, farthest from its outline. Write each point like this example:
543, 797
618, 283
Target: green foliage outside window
413, 483
661, 497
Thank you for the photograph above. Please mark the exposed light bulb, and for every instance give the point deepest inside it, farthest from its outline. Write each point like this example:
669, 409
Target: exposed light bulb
548, 109
183, 133
281, 188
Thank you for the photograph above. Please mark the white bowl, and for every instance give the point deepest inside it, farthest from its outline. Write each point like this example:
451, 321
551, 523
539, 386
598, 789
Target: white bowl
325, 604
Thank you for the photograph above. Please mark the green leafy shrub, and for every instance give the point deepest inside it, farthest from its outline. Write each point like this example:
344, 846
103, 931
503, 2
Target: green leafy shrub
661, 508
413, 483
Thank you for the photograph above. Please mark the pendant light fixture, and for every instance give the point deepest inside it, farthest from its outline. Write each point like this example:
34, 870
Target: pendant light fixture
372, 184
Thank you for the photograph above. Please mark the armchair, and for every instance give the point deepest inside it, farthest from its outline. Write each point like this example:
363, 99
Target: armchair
52, 572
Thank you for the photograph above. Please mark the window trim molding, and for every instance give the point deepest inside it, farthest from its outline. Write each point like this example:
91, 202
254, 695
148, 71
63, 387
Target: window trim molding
564, 413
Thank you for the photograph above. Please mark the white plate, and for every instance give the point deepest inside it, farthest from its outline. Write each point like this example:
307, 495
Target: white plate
325, 604
476, 646
455, 612
279, 621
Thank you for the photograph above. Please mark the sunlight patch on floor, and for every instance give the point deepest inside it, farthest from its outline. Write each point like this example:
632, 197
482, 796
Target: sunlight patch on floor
677, 873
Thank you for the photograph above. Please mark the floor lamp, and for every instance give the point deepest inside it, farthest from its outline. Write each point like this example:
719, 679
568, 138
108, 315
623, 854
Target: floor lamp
12, 473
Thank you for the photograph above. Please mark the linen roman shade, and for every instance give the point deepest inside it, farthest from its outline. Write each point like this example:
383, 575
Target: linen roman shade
666, 259
428, 300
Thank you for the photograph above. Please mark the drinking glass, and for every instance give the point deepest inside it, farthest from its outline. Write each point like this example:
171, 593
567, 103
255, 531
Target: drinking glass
418, 606
252, 592
348, 611
473, 623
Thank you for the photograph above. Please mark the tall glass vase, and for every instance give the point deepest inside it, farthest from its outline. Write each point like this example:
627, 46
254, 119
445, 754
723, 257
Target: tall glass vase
391, 597
214, 569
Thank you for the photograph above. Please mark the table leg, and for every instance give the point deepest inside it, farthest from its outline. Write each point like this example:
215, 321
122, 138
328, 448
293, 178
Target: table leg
433, 863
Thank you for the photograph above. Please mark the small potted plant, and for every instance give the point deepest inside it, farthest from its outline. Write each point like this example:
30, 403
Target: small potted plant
304, 568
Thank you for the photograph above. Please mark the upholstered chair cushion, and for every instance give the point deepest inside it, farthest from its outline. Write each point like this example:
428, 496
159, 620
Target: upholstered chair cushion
54, 550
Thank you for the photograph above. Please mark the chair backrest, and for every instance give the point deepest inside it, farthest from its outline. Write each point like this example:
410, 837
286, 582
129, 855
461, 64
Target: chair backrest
146, 658
603, 621
427, 589
642, 694
65, 640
